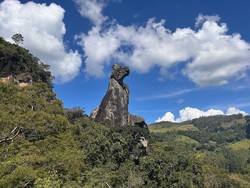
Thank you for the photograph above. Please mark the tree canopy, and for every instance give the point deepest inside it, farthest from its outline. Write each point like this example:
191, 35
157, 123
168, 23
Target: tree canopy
17, 38
15, 60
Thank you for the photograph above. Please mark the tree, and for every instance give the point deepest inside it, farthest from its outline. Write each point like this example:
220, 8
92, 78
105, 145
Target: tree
74, 114
17, 38
248, 126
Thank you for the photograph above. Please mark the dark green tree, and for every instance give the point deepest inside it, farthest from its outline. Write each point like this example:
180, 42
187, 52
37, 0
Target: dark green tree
248, 126
17, 38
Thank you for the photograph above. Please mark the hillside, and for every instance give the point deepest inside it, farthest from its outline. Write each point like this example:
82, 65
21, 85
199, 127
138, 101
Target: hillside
163, 127
217, 129
42, 144
17, 61
220, 143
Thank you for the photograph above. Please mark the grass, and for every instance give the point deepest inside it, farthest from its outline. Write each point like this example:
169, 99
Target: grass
243, 144
186, 139
165, 127
232, 123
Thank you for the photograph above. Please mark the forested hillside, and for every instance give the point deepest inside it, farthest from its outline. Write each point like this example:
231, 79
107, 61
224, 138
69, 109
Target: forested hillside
15, 60
44, 145
220, 143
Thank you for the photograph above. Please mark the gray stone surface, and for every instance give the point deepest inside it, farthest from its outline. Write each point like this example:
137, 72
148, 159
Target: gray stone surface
133, 119
114, 105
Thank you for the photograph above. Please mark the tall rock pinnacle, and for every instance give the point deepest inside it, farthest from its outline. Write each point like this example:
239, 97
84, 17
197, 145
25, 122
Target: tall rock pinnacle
114, 105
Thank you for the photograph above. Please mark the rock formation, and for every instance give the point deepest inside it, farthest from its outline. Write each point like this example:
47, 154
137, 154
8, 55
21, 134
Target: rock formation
22, 80
114, 105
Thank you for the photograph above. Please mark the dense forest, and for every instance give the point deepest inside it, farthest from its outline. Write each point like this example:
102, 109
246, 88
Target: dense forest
44, 145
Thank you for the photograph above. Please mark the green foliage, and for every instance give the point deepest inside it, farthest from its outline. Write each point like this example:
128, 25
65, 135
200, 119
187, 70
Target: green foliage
17, 38
15, 60
214, 123
248, 126
44, 141
166, 126
219, 144
44, 145
218, 178
243, 144
74, 114
171, 168
236, 160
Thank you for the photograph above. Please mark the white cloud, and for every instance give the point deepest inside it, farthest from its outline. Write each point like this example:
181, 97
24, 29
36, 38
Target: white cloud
233, 110
98, 51
43, 29
167, 117
189, 113
192, 113
220, 58
212, 56
92, 9
203, 18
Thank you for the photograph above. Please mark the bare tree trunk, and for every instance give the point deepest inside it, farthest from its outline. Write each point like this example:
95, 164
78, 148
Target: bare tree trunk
108, 185
8, 138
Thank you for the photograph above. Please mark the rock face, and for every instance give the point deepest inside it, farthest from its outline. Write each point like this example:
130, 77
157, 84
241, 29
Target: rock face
134, 119
22, 80
114, 105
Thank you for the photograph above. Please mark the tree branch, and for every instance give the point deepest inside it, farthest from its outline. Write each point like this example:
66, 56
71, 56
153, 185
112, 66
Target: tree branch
8, 138
108, 185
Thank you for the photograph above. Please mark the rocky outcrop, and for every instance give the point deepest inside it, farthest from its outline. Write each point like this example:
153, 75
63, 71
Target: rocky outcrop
7, 79
94, 113
22, 80
114, 105
134, 119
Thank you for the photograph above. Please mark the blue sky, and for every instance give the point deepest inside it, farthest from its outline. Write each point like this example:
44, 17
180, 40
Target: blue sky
187, 58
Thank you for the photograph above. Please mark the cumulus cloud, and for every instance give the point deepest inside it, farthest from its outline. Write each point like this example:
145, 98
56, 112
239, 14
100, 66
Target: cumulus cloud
192, 113
210, 55
43, 29
92, 9
233, 110
167, 117
189, 113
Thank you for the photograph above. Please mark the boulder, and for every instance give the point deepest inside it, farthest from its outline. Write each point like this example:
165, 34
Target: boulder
24, 78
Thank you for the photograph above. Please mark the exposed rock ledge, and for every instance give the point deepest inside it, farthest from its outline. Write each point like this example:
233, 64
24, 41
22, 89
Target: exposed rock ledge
22, 80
